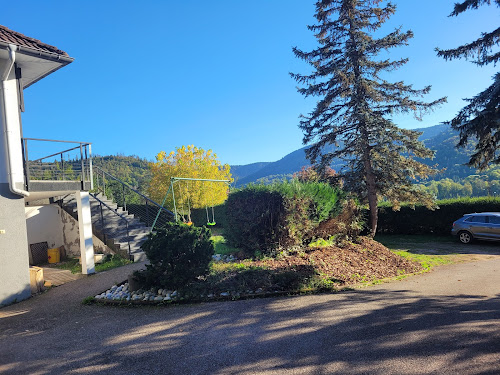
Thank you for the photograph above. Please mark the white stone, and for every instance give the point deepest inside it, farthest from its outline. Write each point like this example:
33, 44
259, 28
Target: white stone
167, 298
224, 294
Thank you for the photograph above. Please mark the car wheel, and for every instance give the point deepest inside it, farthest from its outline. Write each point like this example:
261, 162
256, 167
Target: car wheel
465, 237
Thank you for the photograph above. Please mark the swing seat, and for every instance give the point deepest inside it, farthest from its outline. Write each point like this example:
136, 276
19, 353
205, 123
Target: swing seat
189, 223
211, 223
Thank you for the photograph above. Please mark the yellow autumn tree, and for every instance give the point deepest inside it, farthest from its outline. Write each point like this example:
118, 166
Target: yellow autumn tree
189, 162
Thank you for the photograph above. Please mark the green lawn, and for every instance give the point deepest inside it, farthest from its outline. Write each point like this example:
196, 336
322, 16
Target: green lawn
395, 240
221, 247
74, 265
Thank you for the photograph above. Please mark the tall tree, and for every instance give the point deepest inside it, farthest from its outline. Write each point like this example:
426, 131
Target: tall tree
353, 113
479, 119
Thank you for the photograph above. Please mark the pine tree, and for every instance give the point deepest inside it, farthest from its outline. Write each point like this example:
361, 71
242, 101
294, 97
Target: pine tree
352, 118
479, 119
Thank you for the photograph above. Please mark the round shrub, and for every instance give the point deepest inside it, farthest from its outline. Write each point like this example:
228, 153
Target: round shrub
178, 254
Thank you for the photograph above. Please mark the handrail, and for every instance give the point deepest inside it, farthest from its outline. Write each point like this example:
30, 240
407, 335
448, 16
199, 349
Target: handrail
134, 190
116, 213
108, 207
37, 169
57, 140
57, 153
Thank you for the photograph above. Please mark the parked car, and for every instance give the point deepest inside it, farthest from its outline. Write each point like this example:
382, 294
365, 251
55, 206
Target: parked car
481, 226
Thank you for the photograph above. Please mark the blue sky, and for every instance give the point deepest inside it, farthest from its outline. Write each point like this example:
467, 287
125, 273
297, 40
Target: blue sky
155, 75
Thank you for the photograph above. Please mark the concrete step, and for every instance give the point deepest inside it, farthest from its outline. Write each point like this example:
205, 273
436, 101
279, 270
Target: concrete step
121, 232
135, 252
115, 228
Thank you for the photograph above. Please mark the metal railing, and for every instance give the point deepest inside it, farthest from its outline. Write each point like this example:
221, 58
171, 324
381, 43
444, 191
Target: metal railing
133, 201
100, 232
104, 224
72, 164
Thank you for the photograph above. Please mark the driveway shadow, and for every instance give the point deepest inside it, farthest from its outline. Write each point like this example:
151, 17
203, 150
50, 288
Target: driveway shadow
361, 332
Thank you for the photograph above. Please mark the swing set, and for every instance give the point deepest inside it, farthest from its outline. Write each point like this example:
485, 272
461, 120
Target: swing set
174, 180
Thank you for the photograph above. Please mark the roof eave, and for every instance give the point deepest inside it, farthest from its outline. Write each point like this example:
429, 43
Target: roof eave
62, 60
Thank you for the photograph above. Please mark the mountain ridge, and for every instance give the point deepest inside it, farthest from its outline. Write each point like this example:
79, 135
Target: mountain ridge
440, 138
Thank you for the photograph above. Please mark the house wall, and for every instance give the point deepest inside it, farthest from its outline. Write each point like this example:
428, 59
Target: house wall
71, 237
44, 225
52, 224
14, 260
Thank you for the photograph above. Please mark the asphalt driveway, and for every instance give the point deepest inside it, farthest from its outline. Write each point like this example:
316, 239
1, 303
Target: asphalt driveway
444, 322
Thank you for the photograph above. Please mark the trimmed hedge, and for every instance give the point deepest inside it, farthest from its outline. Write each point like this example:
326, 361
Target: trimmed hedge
424, 221
263, 218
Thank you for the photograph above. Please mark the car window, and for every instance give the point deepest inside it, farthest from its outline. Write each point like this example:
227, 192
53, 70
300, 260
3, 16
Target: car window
494, 219
476, 219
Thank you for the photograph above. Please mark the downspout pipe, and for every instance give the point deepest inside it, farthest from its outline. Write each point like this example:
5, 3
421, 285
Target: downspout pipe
8, 131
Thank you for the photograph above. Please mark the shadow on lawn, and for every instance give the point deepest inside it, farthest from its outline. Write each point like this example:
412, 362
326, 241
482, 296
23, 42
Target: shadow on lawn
376, 332
255, 278
437, 245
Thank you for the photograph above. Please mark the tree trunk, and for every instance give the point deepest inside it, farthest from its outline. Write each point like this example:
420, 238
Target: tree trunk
372, 192
372, 204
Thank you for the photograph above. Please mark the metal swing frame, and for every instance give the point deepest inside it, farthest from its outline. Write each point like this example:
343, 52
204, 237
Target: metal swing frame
173, 180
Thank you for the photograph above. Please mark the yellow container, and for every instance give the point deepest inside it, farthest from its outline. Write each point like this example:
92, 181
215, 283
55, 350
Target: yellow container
54, 255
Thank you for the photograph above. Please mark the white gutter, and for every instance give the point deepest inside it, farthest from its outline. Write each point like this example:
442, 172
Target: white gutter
12, 59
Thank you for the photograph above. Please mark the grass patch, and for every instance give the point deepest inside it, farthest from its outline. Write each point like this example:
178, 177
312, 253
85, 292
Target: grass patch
427, 261
397, 241
244, 265
245, 279
221, 247
112, 261
71, 264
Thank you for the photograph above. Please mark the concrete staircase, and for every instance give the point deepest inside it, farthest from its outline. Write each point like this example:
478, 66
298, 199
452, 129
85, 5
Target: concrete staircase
111, 228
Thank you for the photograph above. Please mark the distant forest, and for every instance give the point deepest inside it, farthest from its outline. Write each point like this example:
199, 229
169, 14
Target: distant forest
456, 180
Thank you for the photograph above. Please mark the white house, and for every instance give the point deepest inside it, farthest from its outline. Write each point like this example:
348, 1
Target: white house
23, 62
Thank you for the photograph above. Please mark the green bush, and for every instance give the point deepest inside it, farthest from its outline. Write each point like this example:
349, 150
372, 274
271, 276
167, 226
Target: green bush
263, 218
421, 220
178, 254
